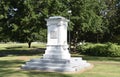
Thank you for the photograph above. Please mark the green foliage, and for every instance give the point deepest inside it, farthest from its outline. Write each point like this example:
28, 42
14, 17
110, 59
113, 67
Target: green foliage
108, 49
20, 21
26, 18
113, 18
116, 39
86, 20
90, 20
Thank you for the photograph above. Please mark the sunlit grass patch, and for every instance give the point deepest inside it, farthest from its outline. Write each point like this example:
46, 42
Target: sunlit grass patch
10, 65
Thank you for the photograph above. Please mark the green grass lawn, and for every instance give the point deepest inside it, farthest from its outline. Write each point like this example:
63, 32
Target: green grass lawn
10, 64
21, 49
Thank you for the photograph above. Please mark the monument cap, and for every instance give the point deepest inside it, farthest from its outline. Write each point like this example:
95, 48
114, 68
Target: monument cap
56, 18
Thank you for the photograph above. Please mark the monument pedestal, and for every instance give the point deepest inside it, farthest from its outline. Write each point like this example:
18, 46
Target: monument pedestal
57, 57
56, 65
57, 52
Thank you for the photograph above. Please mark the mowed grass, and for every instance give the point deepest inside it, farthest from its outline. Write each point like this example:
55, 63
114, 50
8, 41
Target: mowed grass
21, 49
4, 46
10, 64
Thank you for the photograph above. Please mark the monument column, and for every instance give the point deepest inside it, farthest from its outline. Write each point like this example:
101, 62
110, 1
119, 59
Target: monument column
57, 57
57, 47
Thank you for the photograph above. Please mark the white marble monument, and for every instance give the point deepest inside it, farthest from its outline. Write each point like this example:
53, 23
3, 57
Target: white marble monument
57, 47
57, 57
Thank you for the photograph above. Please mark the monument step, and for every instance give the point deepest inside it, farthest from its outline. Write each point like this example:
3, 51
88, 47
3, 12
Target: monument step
61, 65
50, 60
62, 61
56, 63
48, 68
47, 64
56, 68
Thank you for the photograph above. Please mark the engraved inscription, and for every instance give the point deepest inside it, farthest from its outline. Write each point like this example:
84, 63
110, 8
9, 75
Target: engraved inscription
53, 34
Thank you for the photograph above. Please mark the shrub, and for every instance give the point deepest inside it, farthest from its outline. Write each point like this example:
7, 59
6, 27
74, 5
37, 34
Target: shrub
108, 49
113, 49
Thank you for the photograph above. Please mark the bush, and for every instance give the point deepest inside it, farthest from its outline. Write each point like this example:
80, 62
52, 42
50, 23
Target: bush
108, 49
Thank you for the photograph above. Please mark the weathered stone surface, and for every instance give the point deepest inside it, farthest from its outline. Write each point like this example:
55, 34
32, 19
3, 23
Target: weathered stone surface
57, 56
62, 65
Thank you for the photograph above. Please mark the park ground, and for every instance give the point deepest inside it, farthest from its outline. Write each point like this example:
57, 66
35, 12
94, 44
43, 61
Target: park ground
10, 64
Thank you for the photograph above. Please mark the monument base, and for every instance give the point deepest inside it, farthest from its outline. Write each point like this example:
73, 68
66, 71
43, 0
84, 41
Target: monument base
74, 64
57, 57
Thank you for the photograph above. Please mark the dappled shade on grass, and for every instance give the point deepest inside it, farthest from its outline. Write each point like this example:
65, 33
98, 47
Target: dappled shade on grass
11, 68
15, 56
21, 52
103, 67
21, 49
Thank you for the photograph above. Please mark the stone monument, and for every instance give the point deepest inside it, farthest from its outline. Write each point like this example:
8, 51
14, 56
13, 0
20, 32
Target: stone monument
57, 57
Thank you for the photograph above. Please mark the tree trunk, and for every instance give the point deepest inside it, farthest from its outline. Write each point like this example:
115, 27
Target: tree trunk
97, 38
29, 44
75, 40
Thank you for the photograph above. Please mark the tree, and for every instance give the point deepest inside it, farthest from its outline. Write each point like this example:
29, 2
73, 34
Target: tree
28, 25
86, 18
112, 15
20, 20
4, 5
116, 36
26, 18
